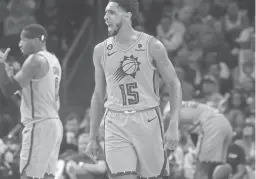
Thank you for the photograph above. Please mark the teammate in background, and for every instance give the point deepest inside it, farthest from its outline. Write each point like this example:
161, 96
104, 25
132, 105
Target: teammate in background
127, 69
215, 136
39, 81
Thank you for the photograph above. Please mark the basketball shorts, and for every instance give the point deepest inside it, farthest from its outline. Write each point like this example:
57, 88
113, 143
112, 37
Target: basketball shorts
214, 139
134, 144
40, 148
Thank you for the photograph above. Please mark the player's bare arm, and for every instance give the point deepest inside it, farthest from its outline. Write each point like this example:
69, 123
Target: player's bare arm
97, 102
168, 74
30, 69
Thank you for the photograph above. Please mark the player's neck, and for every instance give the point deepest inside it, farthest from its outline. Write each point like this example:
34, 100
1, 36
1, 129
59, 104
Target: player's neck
36, 50
125, 34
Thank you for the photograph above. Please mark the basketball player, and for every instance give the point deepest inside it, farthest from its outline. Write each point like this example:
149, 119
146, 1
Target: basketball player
215, 135
127, 68
38, 80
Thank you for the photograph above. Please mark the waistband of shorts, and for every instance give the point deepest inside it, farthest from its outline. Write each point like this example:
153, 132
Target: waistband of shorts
29, 122
132, 111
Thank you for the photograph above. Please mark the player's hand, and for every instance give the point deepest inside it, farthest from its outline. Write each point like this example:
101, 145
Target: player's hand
3, 56
172, 135
92, 150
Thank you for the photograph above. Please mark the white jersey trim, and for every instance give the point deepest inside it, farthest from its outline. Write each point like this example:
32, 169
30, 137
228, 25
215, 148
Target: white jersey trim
148, 55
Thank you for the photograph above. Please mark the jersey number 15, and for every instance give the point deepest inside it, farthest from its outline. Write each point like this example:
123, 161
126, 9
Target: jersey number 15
129, 95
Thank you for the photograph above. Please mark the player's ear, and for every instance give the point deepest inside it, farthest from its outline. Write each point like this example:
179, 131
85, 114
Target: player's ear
128, 15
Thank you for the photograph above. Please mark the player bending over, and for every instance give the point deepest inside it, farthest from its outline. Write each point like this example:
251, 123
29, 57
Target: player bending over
215, 135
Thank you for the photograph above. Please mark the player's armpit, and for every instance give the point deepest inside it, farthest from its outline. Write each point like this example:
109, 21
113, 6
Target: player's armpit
97, 102
29, 70
8, 84
168, 74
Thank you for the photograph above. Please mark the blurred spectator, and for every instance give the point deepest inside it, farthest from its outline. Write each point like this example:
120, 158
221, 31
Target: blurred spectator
21, 13
71, 132
170, 32
78, 165
9, 152
234, 22
237, 160
248, 142
8, 168
234, 111
250, 111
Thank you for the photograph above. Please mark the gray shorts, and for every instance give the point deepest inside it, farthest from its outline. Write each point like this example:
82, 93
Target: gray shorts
40, 147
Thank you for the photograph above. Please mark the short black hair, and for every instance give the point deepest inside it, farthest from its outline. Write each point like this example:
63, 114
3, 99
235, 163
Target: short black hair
131, 6
35, 31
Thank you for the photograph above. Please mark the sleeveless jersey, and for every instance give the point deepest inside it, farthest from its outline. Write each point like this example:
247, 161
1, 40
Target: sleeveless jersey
40, 99
132, 81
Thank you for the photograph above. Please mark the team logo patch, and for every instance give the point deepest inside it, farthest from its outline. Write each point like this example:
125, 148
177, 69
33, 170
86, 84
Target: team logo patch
129, 66
109, 47
139, 48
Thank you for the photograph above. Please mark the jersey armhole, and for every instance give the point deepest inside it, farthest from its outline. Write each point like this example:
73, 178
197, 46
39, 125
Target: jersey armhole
150, 59
49, 66
103, 59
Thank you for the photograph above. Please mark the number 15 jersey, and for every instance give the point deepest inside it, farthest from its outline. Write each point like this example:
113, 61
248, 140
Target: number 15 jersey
132, 81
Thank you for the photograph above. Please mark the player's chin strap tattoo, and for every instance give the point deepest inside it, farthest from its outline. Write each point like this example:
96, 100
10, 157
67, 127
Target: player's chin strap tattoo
8, 85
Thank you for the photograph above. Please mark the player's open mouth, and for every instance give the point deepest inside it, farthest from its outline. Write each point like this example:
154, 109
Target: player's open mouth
110, 26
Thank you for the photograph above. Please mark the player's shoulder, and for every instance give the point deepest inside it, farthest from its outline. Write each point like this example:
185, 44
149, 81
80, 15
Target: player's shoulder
155, 44
156, 47
99, 46
35, 60
99, 49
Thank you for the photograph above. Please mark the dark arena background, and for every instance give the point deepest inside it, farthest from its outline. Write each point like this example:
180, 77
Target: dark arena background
210, 43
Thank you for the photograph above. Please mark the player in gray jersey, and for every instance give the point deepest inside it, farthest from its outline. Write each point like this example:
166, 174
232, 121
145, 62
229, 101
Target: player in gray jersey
39, 82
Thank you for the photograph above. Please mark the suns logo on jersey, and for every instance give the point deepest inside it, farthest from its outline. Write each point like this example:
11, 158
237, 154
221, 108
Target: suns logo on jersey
129, 66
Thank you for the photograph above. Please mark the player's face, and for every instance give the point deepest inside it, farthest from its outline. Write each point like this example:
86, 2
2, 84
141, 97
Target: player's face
26, 45
233, 9
114, 18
